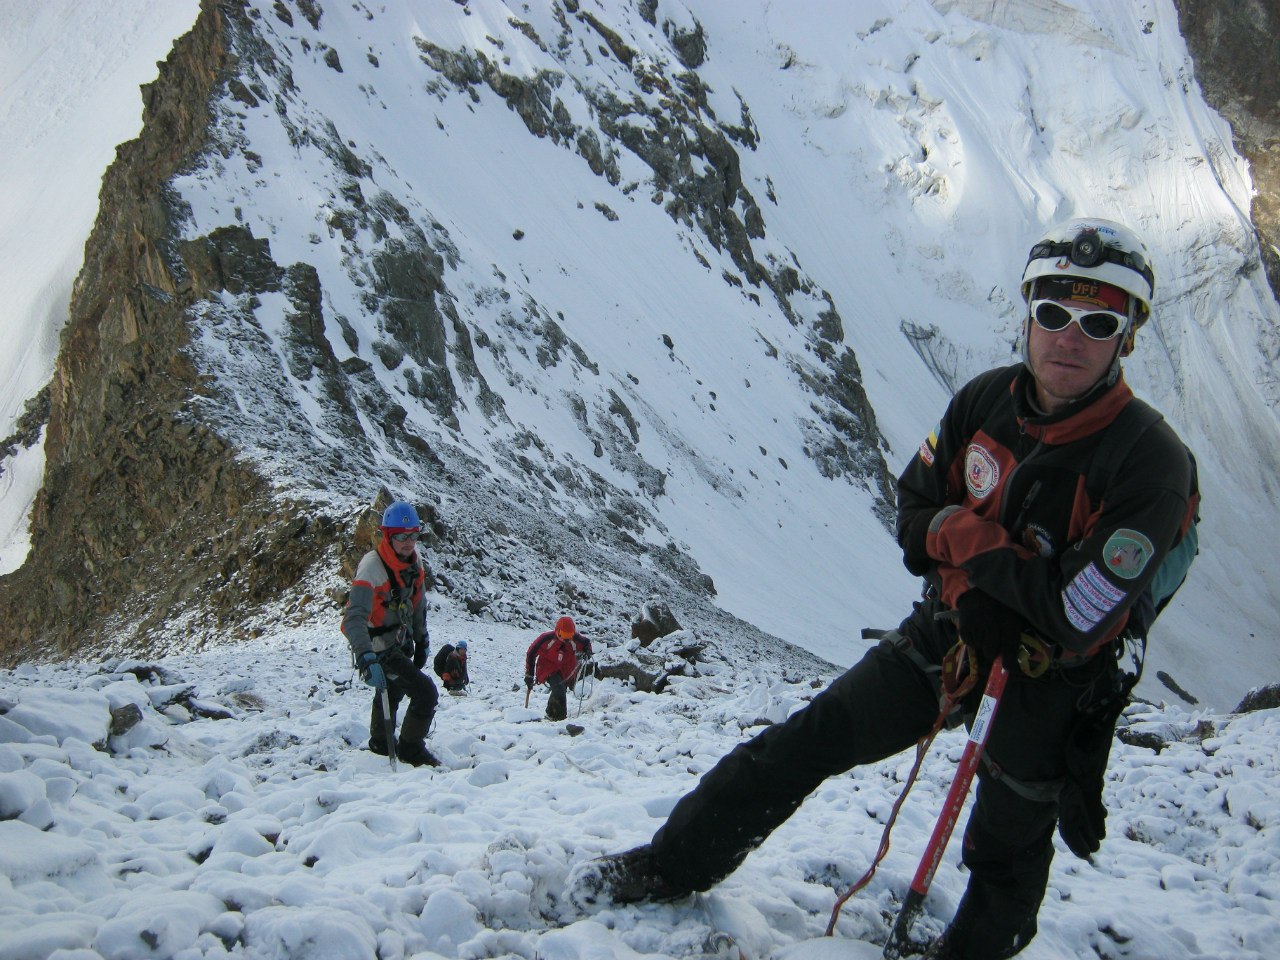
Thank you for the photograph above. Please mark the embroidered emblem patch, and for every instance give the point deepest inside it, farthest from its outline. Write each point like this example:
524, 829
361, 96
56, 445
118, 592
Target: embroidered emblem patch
981, 472
1088, 598
1127, 552
927, 447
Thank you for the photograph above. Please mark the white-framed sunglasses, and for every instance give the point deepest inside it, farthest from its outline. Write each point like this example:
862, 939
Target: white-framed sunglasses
1094, 323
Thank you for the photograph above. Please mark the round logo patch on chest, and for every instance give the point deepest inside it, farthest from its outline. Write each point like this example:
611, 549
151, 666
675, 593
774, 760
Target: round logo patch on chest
981, 472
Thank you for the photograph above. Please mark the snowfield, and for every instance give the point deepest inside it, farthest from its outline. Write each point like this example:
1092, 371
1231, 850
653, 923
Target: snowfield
272, 834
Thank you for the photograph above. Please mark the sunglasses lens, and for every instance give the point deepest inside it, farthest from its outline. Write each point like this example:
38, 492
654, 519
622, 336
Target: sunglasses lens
1100, 326
404, 537
1052, 316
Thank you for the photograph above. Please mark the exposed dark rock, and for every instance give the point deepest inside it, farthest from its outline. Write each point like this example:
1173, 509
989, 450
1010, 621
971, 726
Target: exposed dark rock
1261, 698
655, 620
124, 719
690, 45
26, 432
1172, 685
1231, 43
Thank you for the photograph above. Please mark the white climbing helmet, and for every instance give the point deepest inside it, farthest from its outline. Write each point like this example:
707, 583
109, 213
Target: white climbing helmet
1101, 250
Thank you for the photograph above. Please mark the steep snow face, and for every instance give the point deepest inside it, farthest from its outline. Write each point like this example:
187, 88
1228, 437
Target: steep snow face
69, 76
653, 266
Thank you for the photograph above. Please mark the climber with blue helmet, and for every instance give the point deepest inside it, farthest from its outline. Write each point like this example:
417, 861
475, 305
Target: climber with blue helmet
385, 624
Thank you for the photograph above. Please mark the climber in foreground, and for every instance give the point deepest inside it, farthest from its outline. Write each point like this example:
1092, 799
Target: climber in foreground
385, 624
1023, 559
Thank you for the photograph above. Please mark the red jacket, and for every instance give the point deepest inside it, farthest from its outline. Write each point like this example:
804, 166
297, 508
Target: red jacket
549, 655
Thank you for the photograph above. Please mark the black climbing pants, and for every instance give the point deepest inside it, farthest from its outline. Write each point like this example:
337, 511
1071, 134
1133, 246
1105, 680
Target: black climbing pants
403, 679
879, 707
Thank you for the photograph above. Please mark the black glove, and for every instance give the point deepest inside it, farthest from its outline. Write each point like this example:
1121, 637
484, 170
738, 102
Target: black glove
420, 654
990, 628
1082, 818
914, 556
528, 681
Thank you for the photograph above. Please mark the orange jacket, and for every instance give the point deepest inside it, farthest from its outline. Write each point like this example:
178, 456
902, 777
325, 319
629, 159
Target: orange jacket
378, 608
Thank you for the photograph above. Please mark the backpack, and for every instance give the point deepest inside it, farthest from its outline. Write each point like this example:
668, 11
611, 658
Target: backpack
1124, 432
442, 655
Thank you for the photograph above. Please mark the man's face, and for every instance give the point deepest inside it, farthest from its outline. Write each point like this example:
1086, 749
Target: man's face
403, 547
1066, 363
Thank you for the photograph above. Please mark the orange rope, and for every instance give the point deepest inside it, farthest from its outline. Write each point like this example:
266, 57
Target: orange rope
959, 674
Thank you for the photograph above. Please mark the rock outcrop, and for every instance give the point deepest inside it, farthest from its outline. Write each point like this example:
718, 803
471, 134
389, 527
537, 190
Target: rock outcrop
1236, 47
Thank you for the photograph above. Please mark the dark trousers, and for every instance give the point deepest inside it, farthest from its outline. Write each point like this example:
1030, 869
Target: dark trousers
879, 707
558, 701
404, 679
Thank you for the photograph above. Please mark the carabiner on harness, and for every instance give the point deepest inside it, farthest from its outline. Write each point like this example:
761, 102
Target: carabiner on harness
1034, 656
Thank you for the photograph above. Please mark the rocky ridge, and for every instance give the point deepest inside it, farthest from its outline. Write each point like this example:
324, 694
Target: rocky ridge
178, 512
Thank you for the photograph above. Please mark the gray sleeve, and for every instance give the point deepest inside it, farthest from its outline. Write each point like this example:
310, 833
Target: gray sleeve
420, 620
355, 621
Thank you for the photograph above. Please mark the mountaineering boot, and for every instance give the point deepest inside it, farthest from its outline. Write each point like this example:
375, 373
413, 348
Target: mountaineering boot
622, 878
411, 749
978, 932
557, 704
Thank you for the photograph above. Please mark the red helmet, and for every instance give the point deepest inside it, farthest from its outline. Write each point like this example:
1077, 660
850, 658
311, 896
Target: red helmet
565, 628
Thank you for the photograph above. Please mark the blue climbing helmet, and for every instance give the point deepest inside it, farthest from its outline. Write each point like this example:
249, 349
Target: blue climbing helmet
400, 516
461, 645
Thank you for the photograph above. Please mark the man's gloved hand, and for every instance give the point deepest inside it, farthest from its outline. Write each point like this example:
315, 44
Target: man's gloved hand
371, 670
914, 556
420, 654
1082, 819
528, 681
990, 628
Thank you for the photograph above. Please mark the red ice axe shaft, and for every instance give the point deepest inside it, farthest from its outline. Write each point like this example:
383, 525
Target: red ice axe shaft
899, 944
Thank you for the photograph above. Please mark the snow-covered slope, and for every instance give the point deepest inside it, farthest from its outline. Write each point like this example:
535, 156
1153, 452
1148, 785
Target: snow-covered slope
640, 242
271, 834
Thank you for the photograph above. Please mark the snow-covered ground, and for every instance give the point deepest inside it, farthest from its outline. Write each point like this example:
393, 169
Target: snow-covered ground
273, 835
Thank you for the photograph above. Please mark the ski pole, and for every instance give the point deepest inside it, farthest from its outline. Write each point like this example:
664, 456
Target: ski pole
898, 944
390, 727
